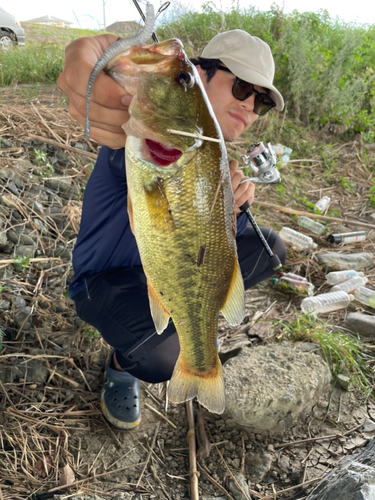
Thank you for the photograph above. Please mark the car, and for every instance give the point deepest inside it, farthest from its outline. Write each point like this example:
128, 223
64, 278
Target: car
11, 31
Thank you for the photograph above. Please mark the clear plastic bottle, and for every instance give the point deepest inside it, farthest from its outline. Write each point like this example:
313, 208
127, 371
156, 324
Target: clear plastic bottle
341, 261
292, 276
350, 285
311, 225
365, 296
326, 302
282, 151
296, 286
336, 277
322, 204
298, 240
353, 237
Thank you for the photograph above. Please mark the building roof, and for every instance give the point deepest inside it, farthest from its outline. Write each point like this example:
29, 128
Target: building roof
48, 18
124, 27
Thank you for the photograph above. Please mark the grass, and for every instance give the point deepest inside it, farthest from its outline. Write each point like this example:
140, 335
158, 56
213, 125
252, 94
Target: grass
344, 353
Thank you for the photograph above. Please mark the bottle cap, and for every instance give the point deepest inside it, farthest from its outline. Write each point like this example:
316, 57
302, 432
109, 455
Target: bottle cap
334, 238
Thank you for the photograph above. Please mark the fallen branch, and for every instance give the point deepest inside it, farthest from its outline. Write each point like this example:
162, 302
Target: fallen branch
314, 216
192, 452
93, 156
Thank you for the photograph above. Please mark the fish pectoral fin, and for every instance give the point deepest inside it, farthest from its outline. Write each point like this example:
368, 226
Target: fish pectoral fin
208, 387
233, 308
158, 311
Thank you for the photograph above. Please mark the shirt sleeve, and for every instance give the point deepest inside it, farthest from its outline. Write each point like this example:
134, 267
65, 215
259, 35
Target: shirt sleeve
242, 222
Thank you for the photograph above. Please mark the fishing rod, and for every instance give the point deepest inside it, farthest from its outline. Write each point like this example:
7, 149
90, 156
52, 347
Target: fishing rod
262, 159
161, 9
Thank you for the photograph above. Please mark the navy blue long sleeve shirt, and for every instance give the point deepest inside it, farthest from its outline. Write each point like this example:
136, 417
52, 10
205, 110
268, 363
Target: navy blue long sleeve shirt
105, 240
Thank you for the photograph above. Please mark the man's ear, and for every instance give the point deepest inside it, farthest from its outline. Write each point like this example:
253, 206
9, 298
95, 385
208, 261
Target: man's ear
200, 70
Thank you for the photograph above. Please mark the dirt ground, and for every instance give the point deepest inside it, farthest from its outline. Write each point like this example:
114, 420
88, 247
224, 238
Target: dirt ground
54, 441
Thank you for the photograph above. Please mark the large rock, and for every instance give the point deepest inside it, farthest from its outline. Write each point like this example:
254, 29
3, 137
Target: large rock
269, 387
352, 479
364, 324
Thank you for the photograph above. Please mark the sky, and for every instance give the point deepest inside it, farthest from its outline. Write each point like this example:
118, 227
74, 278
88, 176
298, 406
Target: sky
90, 13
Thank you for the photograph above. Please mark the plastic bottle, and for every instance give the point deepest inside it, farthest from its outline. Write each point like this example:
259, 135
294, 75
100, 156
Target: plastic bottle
347, 237
292, 276
282, 151
326, 302
336, 277
311, 225
322, 204
365, 296
350, 285
341, 261
298, 240
296, 286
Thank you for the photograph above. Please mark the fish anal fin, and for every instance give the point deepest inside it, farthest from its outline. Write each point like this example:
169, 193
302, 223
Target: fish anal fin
207, 387
158, 311
233, 308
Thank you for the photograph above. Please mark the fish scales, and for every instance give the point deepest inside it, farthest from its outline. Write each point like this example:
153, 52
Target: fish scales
181, 208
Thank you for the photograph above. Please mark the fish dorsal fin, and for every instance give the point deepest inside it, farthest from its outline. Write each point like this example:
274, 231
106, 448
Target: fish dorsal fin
233, 308
158, 311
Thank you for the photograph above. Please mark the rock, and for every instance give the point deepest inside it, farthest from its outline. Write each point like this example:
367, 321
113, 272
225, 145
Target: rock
3, 240
342, 261
24, 251
31, 370
269, 387
363, 324
343, 381
353, 478
258, 465
23, 318
233, 486
368, 426
59, 183
20, 238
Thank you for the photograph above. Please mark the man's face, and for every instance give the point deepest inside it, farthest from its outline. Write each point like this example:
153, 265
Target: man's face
234, 116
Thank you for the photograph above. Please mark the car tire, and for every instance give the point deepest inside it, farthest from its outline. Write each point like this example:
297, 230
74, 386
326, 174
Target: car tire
6, 40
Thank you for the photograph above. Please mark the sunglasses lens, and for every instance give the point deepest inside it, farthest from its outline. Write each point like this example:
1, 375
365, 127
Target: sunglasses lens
262, 104
242, 90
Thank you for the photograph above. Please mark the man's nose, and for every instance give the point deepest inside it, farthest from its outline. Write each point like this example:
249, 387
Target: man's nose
248, 103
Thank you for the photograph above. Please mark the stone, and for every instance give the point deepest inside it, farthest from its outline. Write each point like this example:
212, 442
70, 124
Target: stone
364, 324
343, 381
24, 251
59, 183
268, 388
368, 426
258, 465
23, 318
353, 478
31, 370
20, 238
241, 493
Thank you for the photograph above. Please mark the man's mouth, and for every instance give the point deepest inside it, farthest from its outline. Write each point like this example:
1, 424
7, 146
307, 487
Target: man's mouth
162, 155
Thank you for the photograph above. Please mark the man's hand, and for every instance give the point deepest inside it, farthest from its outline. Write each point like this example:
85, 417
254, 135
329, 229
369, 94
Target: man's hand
109, 101
242, 192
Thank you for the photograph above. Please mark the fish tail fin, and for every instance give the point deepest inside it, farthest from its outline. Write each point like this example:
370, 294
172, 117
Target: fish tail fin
208, 388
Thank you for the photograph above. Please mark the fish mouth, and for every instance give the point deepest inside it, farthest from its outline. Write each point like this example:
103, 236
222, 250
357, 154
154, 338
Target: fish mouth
162, 155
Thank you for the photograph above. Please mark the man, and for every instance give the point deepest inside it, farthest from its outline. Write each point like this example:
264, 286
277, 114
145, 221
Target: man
109, 286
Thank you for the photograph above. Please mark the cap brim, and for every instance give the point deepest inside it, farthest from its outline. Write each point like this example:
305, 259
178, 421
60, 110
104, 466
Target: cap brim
252, 76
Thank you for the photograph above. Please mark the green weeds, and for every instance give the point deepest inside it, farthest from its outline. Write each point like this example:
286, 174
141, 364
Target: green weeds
344, 353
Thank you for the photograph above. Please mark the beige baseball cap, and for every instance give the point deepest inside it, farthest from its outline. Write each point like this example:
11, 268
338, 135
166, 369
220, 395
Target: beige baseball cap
248, 57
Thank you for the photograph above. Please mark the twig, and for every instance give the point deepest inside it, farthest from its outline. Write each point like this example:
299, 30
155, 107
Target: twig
210, 478
189, 134
192, 451
153, 470
93, 156
91, 478
160, 415
149, 454
314, 216
271, 497
321, 438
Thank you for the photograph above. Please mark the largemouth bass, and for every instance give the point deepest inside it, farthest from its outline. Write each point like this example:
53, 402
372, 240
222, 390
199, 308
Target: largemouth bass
181, 210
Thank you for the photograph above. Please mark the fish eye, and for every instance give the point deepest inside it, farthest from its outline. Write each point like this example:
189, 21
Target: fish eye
185, 79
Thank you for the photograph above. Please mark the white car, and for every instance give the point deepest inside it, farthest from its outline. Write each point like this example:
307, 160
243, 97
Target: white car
11, 31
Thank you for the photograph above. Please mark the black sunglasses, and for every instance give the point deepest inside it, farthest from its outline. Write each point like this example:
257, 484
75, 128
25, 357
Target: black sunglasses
242, 90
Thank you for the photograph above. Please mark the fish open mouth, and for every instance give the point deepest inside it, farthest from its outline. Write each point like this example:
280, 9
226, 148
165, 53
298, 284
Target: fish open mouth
162, 155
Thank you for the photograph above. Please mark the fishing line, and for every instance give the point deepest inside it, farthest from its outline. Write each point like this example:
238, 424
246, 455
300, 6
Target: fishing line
161, 9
